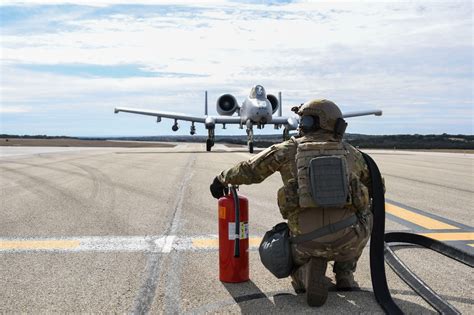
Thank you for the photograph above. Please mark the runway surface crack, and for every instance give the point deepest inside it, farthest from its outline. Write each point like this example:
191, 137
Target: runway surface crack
156, 260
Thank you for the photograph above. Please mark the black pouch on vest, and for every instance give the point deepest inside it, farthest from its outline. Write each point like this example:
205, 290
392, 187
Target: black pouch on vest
275, 251
328, 181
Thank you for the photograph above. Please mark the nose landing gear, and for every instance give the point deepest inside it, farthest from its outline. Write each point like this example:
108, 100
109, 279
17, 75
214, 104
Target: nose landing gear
250, 137
210, 139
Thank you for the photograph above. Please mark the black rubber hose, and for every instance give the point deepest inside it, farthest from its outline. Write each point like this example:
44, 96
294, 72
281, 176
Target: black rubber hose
437, 246
377, 260
237, 221
423, 290
380, 251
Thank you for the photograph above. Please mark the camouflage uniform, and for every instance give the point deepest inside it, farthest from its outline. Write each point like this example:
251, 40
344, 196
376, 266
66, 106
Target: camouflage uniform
344, 246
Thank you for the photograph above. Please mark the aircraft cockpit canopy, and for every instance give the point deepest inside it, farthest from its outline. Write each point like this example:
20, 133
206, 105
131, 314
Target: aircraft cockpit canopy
258, 92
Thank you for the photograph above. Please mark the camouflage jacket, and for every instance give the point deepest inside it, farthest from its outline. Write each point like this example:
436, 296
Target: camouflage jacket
281, 158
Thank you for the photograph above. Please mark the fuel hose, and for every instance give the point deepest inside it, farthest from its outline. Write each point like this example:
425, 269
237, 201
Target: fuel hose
380, 251
233, 189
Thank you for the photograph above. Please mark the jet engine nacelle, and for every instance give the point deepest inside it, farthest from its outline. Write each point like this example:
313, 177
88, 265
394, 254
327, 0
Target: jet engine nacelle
274, 101
227, 105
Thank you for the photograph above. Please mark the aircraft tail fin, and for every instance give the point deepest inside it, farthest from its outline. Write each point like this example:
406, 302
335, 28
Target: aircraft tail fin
279, 104
205, 103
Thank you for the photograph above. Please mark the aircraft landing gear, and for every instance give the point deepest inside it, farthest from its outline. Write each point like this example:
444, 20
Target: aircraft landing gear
210, 139
250, 138
286, 134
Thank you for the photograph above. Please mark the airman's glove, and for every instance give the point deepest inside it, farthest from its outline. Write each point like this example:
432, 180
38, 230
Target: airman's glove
218, 189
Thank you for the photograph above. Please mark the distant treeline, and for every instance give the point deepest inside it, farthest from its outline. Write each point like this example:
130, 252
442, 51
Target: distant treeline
443, 141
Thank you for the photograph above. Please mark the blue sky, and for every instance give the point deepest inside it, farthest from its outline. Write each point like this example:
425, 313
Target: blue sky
65, 65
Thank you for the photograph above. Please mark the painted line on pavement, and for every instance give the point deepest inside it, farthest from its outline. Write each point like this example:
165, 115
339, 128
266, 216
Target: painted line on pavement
39, 245
461, 236
214, 242
418, 219
428, 214
154, 244
168, 244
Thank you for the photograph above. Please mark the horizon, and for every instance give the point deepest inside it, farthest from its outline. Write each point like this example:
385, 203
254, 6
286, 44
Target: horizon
217, 135
67, 64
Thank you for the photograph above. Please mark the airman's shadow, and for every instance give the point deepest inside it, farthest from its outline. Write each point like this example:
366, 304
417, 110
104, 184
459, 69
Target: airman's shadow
252, 300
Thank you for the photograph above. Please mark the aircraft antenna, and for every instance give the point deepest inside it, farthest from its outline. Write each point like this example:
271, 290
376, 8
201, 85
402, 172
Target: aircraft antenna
279, 102
205, 103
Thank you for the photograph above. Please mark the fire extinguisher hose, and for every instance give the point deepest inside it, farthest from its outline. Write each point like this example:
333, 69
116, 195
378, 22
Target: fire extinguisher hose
233, 189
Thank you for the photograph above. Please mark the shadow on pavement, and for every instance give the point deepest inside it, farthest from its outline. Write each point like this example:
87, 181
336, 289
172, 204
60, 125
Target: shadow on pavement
251, 300
193, 152
247, 291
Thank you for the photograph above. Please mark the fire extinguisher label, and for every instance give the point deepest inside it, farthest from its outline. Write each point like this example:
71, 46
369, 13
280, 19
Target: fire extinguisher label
244, 230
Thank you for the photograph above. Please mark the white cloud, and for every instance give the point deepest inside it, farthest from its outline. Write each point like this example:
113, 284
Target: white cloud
402, 57
14, 109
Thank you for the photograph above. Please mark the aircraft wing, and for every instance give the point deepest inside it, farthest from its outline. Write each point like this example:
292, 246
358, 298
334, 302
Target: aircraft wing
293, 121
376, 112
282, 120
226, 119
179, 116
157, 113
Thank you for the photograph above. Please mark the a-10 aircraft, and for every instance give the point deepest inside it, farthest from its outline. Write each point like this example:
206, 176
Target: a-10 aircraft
256, 110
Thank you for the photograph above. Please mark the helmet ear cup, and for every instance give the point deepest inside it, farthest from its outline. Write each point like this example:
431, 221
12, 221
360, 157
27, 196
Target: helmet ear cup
340, 127
309, 123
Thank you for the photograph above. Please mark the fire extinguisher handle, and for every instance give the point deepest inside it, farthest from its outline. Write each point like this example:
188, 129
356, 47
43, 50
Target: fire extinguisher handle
237, 221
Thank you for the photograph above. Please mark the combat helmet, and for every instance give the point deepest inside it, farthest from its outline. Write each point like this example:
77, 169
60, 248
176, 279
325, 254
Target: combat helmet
328, 113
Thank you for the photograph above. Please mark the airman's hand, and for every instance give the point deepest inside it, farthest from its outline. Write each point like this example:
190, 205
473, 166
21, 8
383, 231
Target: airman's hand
218, 189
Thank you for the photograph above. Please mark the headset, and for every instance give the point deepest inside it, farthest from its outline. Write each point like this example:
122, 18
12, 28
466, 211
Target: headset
311, 123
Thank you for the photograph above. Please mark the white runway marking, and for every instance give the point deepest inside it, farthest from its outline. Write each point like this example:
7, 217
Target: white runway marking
168, 244
154, 243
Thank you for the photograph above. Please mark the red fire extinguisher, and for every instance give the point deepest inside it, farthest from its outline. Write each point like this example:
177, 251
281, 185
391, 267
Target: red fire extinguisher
233, 238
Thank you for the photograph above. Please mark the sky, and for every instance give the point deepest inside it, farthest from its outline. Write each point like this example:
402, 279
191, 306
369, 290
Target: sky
65, 65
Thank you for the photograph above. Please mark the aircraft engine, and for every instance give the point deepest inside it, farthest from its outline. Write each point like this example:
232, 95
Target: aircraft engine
274, 101
227, 105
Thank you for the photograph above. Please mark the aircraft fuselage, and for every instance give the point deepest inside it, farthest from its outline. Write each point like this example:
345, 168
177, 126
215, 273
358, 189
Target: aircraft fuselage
258, 111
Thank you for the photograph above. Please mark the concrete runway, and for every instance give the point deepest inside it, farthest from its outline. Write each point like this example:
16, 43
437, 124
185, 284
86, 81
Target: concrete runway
133, 230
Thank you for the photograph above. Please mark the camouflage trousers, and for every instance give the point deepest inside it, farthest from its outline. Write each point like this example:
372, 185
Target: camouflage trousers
345, 251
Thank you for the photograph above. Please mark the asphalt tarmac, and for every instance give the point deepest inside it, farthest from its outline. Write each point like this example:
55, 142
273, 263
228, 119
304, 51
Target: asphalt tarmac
134, 230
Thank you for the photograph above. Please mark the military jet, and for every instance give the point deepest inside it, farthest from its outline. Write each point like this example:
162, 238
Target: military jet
256, 110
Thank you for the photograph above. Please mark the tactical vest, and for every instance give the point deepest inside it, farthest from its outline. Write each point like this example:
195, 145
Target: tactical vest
357, 193
308, 153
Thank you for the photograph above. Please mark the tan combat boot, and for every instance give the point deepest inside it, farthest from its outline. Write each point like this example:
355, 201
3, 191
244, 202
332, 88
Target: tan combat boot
345, 281
316, 288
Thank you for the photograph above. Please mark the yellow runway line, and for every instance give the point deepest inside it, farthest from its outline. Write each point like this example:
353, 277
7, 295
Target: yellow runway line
214, 242
205, 242
462, 236
46, 244
255, 241
418, 219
